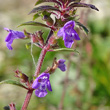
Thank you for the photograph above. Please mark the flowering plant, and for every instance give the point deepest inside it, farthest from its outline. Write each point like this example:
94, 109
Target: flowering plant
63, 25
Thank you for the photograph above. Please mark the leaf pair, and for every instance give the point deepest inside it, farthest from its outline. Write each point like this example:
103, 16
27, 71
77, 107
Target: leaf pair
71, 5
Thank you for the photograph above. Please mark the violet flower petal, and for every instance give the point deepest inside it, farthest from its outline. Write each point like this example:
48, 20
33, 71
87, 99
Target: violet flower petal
61, 65
11, 36
8, 44
8, 38
68, 33
69, 23
7, 29
35, 84
18, 34
68, 44
60, 32
44, 76
41, 83
49, 86
40, 93
75, 35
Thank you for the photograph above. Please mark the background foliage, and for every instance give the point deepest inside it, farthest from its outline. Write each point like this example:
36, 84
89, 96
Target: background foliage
89, 76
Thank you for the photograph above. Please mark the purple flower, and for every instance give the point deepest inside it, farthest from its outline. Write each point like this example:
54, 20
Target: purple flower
68, 33
11, 36
61, 65
41, 83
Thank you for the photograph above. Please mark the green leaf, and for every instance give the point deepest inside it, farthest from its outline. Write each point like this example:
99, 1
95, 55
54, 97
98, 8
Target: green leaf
35, 16
13, 83
65, 49
42, 1
83, 27
82, 5
43, 8
34, 24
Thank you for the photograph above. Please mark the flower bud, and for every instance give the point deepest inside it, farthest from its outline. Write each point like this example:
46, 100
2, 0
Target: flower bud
37, 38
22, 76
34, 38
53, 68
12, 106
56, 64
48, 19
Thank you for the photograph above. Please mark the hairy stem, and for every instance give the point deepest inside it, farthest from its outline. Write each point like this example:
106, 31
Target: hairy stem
41, 58
27, 99
38, 68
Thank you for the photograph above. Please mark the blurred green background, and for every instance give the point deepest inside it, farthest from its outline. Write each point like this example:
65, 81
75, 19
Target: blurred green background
89, 75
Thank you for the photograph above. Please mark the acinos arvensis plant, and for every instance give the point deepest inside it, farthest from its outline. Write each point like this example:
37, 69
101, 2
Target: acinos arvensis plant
63, 25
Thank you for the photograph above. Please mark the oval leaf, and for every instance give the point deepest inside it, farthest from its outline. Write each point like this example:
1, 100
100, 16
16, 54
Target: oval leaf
34, 24
42, 8
83, 5
13, 83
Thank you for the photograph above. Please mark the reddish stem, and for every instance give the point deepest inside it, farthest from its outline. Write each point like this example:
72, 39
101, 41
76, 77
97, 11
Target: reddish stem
38, 68
41, 58
27, 99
